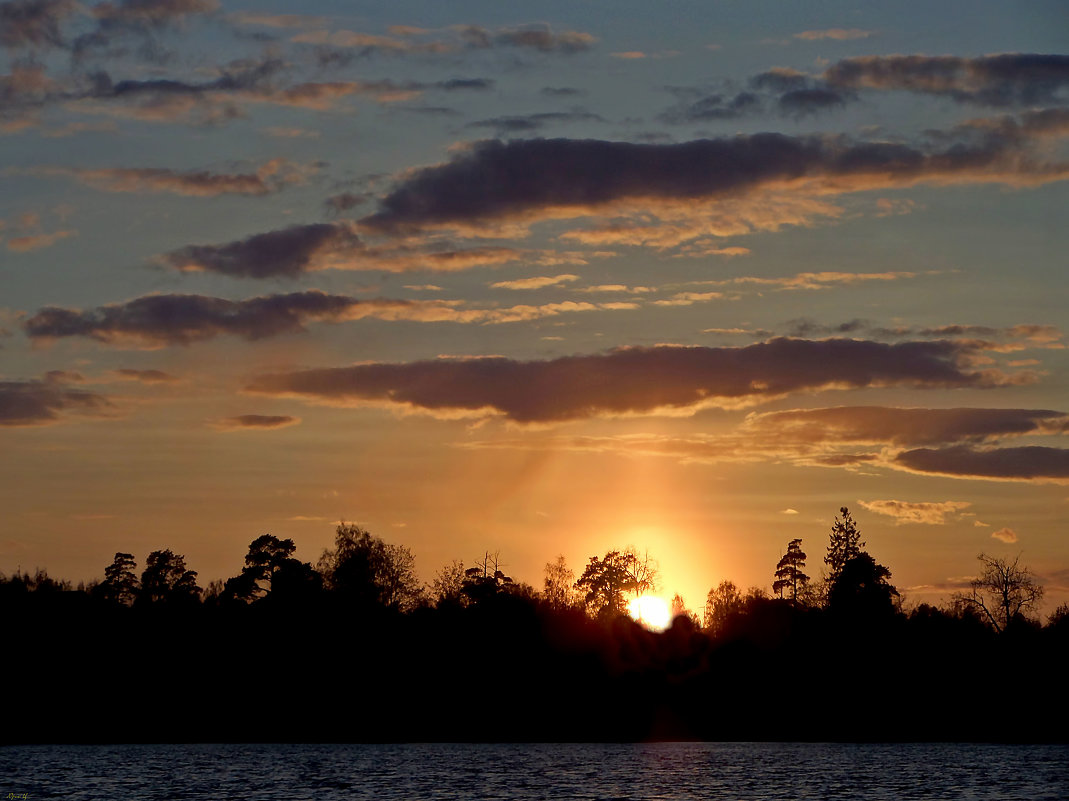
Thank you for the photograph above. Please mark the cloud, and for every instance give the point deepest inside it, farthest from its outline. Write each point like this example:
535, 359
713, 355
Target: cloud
276, 20
713, 107
145, 376
43, 401
158, 320
299, 249
287, 252
538, 282
813, 281
368, 43
904, 427
155, 321
836, 34
533, 122
1027, 463
789, 511
800, 102
1007, 535
1008, 339
270, 177
1007, 79
151, 13
29, 242
405, 40
344, 201
532, 37
636, 380
242, 82
34, 23
524, 181
931, 514
253, 422
688, 298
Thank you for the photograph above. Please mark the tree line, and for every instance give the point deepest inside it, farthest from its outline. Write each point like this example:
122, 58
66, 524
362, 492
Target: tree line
364, 570
356, 647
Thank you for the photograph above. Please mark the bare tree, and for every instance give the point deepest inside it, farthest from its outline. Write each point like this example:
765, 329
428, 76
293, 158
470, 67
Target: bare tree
1003, 591
559, 585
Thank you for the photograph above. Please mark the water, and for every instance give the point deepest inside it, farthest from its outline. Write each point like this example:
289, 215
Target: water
722, 771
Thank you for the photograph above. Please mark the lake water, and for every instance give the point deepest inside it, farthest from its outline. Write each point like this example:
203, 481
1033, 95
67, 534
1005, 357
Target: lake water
723, 771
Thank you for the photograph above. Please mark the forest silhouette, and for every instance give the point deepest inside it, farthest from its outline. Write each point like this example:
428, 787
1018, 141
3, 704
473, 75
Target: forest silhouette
356, 649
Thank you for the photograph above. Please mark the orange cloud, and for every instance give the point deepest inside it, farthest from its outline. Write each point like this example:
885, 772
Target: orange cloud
1007, 535
932, 514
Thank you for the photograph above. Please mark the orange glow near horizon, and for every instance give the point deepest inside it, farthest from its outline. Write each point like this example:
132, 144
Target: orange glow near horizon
651, 611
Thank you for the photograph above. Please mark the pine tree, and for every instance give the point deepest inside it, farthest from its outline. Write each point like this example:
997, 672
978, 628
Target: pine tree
790, 579
844, 545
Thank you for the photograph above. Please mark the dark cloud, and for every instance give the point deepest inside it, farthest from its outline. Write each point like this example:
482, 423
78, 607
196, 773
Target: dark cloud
257, 421
536, 178
241, 75
781, 81
288, 252
1033, 334
1000, 80
39, 402
151, 13
713, 107
156, 320
561, 91
145, 376
271, 177
344, 201
34, 23
465, 84
905, 427
1022, 463
804, 327
809, 101
637, 380
533, 122
532, 37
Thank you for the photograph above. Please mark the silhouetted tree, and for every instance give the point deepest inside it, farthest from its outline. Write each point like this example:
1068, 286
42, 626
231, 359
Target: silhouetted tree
558, 588
679, 609
269, 563
1003, 592
367, 571
267, 554
21, 583
166, 579
448, 585
486, 580
844, 545
120, 584
862, 590
721, 603
606, 582
790, 580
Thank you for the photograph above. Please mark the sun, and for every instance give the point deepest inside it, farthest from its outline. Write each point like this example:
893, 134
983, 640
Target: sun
651, 611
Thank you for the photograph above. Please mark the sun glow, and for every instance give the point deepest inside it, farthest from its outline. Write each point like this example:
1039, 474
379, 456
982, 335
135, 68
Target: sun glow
651, 611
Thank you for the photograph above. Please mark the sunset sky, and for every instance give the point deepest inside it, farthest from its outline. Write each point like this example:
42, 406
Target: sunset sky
539, 279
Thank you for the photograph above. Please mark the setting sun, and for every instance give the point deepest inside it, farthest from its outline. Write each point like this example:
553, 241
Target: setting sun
651, 611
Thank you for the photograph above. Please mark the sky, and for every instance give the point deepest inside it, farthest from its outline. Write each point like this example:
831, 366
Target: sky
538, 280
